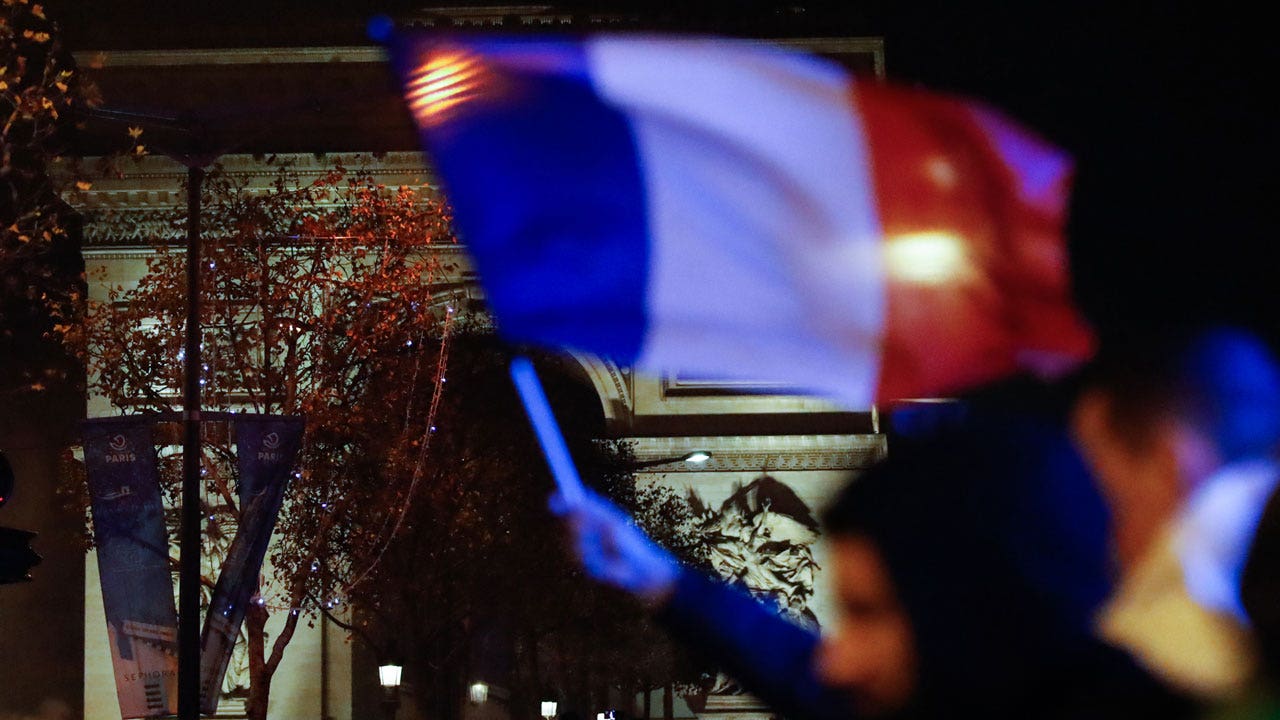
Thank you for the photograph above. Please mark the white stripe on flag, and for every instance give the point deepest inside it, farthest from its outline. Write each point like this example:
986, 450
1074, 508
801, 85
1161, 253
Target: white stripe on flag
761, 211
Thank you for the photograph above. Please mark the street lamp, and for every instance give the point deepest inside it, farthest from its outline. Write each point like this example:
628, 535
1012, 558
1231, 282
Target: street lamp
548, 709
478, 693
389, 678
694, 457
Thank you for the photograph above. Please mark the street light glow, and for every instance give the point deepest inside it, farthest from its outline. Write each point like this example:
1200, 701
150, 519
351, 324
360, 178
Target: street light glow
389, 675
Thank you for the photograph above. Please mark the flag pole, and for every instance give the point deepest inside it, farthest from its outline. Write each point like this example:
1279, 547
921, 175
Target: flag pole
545, 427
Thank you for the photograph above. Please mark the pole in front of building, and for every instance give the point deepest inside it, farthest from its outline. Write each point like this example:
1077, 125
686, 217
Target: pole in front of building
189, 538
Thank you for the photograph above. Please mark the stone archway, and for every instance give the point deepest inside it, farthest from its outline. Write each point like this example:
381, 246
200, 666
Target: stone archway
612, 384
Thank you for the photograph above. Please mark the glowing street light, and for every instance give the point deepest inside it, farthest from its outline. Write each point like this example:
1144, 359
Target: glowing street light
389, 678
695, 458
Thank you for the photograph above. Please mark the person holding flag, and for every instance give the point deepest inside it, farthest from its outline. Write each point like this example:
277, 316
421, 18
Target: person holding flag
973, 567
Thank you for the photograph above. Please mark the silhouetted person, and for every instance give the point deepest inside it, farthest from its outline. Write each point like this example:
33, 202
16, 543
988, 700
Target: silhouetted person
973, 564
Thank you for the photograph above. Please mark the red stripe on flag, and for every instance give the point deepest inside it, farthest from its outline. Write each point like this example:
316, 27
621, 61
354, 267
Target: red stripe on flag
972, 210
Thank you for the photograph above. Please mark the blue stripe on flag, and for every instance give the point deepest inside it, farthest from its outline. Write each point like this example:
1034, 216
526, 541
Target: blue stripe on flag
546, 184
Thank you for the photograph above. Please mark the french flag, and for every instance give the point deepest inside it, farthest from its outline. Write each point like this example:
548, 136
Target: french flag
733, 210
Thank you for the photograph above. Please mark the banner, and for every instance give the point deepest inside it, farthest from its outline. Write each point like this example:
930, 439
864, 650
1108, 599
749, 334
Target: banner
133, 563
266, 446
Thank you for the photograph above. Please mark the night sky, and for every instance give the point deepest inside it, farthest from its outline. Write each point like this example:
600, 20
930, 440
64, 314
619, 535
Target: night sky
1163, 108
1162, 104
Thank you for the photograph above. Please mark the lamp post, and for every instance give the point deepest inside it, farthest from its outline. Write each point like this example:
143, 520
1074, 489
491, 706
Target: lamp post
195, 149
478, 693
389, 678
548, 709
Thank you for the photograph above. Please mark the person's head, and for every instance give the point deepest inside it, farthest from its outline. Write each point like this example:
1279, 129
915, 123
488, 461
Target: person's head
958, 579
1157, 414
871, 656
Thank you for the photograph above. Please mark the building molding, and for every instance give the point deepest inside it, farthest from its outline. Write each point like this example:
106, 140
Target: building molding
146, 202
463, 18
873, 46
99, 59
612, 384
759, 453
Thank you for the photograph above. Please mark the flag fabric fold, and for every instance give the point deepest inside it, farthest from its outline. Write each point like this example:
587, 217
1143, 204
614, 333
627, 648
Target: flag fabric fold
735, 210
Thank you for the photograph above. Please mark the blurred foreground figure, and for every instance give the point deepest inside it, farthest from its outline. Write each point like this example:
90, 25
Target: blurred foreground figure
1181, 435
974, 567
1259, 590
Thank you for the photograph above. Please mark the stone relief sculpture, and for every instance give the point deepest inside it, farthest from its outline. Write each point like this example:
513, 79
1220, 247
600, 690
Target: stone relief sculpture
761, 538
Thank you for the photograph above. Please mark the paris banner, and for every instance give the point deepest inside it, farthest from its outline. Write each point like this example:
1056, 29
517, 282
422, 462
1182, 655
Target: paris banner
266, 446
133, 563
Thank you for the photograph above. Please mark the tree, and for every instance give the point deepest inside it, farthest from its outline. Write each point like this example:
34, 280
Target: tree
40, 281
41, 273
326, 300
480, 584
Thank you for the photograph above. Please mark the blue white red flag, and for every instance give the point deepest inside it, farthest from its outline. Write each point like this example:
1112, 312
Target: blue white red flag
730, 209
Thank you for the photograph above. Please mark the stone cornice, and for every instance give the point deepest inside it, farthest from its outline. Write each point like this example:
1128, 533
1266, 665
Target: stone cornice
125, 251
873, 46
482, 17
142, 205
754, 453
523, 16
151, 167
99, 59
